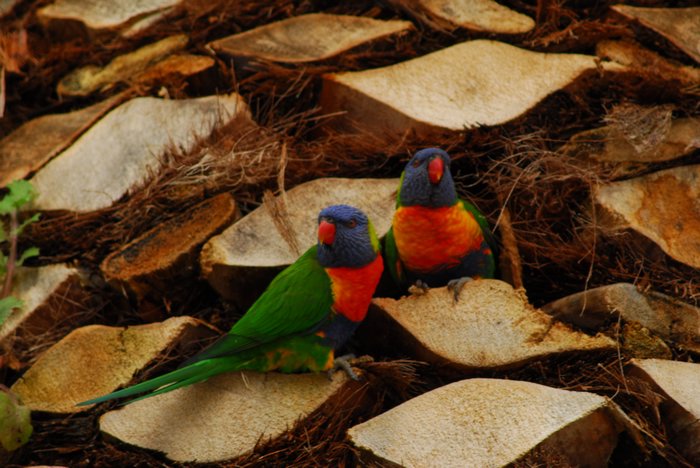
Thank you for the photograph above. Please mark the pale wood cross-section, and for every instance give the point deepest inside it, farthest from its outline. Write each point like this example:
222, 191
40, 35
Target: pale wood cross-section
35, 142
148, 63
679, 383
103, 14
479, 15
308, 38
662, 206
492, 326
46, 292
470, 84
94, 360
681, 26
224, 417
124, 148
490, 422
671, 319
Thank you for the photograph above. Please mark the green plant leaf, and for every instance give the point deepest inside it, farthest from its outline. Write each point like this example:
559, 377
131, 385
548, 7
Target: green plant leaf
29, 253
7, 305
21, 192
3, 234
26, 223
15, 422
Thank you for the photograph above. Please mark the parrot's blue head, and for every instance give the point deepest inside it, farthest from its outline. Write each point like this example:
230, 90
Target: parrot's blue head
346, 237
427, 180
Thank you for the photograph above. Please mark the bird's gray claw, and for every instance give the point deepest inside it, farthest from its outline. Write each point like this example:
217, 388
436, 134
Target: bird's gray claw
419, 288
456, 284
343, 362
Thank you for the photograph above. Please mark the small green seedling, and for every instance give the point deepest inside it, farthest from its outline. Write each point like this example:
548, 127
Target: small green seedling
20, 193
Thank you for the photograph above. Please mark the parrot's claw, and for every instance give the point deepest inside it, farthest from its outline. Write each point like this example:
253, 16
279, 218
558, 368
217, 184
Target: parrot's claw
343, 362
419, 288
455, 286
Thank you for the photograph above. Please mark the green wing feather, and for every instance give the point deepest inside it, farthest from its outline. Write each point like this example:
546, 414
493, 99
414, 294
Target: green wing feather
483, 224
389, 250
391, 255
193, 373
297, 301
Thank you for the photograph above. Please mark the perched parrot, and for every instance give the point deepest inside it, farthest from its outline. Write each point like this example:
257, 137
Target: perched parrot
307, 312
436, 239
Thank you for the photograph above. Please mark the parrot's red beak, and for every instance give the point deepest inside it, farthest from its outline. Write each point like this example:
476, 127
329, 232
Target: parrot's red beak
436, 169
326, 232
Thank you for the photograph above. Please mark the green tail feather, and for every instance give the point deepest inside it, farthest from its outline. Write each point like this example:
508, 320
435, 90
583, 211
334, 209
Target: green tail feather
193, 373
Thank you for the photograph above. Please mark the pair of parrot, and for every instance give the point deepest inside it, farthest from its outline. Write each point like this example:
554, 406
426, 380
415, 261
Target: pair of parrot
313, 306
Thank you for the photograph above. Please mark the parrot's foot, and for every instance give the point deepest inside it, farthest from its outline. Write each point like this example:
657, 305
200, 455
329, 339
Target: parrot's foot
419, 288
455, 286
344, 363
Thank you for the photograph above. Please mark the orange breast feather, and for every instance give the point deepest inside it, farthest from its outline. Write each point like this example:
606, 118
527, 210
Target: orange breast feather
430, 238
353, 288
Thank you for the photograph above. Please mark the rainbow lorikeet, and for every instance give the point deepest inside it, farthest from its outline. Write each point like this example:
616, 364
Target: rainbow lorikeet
436, 239
307, 312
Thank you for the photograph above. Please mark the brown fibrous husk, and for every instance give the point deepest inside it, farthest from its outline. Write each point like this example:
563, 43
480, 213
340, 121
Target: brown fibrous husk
562, 246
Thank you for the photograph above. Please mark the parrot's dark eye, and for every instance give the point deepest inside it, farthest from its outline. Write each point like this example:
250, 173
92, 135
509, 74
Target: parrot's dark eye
416, 163
351, 224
